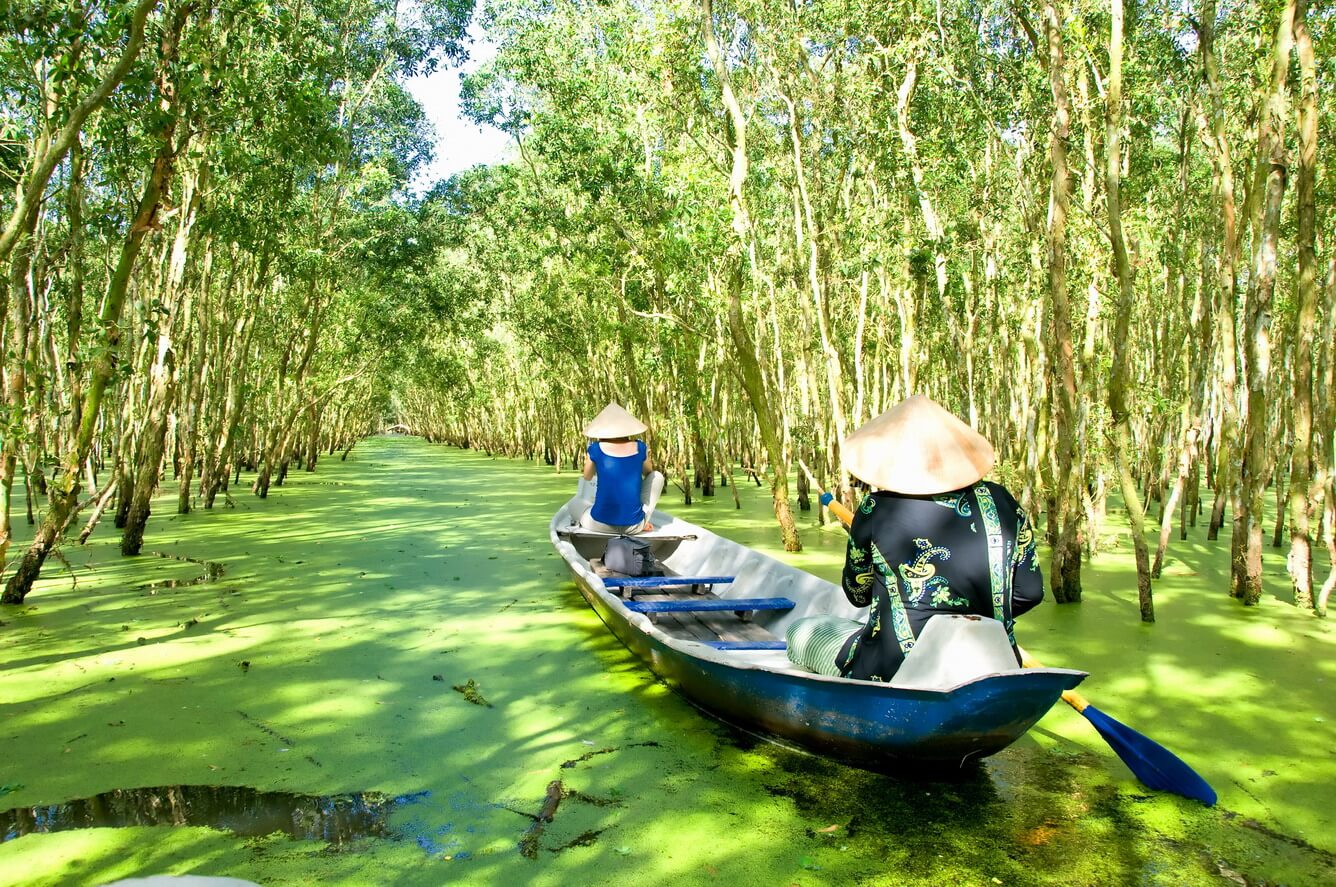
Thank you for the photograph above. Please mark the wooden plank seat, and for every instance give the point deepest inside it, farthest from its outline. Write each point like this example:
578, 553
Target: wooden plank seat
740, 606
706, 627
747, 645
578, 532
663, 581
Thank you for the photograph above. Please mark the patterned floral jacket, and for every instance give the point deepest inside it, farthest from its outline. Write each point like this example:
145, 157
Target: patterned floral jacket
912, 557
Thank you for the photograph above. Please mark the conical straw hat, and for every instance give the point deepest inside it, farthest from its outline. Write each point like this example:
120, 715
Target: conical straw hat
614, 422
917, 448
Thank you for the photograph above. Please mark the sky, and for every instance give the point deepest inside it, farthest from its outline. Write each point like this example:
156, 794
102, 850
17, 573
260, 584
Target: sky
459, 142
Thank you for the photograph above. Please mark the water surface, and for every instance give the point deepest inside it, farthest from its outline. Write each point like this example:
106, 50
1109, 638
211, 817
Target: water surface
320, 662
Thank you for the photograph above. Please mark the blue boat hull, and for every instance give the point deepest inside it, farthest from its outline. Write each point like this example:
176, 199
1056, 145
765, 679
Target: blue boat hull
865, 723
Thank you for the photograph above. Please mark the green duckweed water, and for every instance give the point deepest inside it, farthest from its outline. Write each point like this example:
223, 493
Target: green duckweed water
323, 660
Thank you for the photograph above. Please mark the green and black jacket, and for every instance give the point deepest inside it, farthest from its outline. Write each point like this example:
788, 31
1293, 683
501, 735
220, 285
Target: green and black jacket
971, 551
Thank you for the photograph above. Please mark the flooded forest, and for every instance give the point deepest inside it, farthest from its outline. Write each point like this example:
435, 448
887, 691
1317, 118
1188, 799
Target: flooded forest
240, 320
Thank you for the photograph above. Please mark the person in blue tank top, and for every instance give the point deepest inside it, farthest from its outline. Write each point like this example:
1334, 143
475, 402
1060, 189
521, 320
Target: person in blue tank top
628, 487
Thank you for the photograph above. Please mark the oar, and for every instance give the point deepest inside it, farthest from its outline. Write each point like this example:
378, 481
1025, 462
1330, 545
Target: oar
845, 516
1150, 762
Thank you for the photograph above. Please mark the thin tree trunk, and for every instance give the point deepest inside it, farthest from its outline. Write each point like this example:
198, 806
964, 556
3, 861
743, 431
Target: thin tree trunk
312, 438
189, 415
64, 501
1226, 299
103, 498
74, 303
1325, 481
1065, 573
744, 348
1247, 572
1300, 559
219, 468
163, 376
1118, 382
152, 439
17, 299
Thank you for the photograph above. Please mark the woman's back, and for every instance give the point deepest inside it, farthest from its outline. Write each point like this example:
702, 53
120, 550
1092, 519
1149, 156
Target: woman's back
619, 466
936, 539
966, 552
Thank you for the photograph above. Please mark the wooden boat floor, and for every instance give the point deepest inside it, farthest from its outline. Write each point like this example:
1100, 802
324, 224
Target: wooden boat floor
716, 626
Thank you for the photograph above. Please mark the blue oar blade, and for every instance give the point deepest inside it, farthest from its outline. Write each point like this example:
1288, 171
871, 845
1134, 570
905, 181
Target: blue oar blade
1149, 761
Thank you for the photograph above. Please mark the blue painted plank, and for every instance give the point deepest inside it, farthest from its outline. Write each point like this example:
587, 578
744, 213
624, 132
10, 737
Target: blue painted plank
664, 581
706, 605
747, 645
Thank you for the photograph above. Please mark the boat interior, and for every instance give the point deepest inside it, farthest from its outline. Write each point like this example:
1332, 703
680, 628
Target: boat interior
738, 603
689, 608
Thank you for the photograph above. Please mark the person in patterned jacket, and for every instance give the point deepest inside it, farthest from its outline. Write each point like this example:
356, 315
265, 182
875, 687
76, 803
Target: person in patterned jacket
934, 537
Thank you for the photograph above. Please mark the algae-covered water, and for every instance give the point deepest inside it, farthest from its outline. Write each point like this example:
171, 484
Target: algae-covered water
394, 636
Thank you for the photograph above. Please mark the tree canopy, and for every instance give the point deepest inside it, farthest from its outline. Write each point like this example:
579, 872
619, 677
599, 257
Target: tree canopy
1093, 230
1088, 229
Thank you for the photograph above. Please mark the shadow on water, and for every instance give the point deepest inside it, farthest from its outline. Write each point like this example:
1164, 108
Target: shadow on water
906, 771
1030, 814
334, 819
405, 585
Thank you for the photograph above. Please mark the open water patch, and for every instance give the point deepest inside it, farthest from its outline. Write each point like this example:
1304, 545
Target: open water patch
213, 571
334, 819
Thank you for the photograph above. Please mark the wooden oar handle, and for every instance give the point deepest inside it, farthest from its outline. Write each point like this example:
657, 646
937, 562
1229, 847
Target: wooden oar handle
844, 515
1071, 697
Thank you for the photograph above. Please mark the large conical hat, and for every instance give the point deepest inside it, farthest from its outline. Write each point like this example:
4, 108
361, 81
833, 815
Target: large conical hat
917, 448
614, 422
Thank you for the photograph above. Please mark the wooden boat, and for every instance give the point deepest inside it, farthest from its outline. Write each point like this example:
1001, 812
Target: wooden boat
713, 627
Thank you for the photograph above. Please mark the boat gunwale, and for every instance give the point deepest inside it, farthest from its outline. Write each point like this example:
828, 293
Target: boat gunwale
590, 583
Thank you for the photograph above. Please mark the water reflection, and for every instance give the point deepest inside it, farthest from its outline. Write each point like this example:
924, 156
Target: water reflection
335, 819
213, 571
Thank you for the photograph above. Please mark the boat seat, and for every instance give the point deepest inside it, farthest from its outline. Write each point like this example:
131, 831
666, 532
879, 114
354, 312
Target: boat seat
663, 581
578, 532
747, 645
742, 607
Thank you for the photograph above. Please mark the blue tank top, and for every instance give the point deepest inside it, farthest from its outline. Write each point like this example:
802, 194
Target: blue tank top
617, 500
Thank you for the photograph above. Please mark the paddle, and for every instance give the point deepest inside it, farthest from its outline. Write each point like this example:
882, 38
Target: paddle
845, 516
1150, 762
1153, 764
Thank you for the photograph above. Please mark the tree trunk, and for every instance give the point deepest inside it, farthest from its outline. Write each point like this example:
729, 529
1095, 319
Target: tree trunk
17, 299
744, 348
1065, 572
1247, 572
312, 438
1226, 300
162, 392
64, 501
98, 509
163, 376
1118, 382
749, 369
1301, 504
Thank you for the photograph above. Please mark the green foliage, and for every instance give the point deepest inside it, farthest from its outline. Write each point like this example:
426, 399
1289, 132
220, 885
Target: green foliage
896, 206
